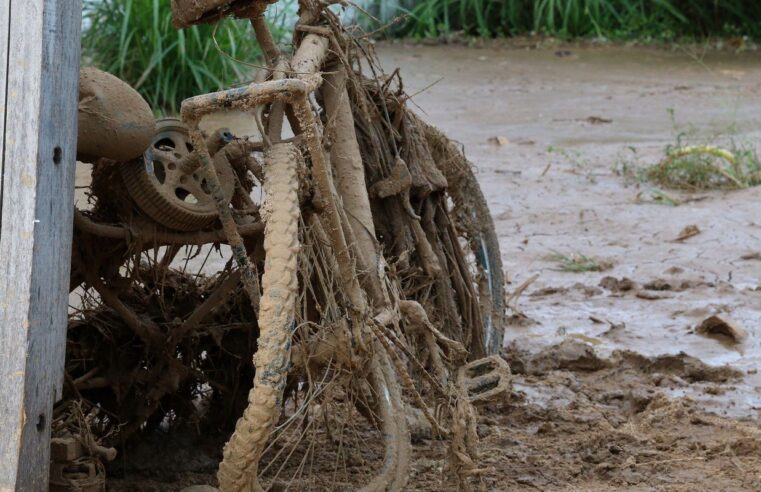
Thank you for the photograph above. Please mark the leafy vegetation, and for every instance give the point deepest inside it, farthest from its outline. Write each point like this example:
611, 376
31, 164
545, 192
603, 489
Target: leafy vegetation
718, 160
705, 157
641, 19
661, 197
707, 167
135, 40
576, 263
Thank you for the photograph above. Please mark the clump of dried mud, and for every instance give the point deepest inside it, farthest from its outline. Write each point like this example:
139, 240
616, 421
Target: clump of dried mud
579, 422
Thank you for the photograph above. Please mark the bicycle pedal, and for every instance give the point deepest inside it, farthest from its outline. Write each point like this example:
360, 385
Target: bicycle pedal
486, 379
85, 474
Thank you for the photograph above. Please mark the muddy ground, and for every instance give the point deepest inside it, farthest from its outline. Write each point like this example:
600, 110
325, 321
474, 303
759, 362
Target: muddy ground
613, 387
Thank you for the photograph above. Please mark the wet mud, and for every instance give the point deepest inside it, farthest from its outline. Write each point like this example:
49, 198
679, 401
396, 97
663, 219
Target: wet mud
616, 386
580, 422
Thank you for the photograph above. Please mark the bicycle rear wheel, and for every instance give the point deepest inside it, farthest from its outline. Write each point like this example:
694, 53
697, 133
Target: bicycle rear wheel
472, 220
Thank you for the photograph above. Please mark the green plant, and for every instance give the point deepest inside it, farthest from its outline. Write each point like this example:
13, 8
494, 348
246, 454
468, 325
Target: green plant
582, 165
627, 165
661, 19
717, 160
576, 263
135, 40
660, 197
705, 167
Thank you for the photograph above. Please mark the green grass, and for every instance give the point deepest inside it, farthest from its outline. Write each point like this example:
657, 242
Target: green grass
575, 263
658, 197
135, 40
701, 157
627, 164
696, 161
582, 166
640, 19
707, 167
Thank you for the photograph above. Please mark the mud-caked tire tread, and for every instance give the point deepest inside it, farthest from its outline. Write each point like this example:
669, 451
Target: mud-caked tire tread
241, 455
153, 203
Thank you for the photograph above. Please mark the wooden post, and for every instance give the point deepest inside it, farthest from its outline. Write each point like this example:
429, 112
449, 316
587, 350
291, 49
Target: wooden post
39, 76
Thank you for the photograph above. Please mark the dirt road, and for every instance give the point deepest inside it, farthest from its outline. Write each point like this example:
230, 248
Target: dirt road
565, 123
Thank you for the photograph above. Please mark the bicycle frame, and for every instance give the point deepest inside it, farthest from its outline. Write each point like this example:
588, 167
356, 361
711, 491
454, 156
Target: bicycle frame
306, 63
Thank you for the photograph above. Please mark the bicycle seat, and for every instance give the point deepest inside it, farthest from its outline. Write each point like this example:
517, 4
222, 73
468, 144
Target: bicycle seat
186, 13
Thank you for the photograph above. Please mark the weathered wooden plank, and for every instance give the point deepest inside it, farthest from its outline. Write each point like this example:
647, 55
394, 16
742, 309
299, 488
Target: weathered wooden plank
38, 164
5, 17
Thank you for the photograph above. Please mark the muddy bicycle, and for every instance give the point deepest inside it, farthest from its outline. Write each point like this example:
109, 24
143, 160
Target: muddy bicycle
358, 287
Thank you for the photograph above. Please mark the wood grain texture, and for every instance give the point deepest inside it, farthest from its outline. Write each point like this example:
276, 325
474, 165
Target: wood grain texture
5, 16
38, 163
